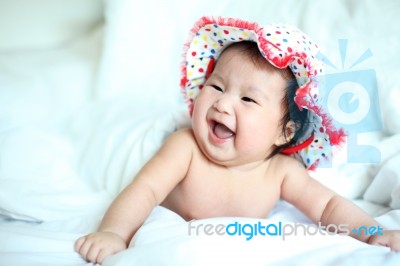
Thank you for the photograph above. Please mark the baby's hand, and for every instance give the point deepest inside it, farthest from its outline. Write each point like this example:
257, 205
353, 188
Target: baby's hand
389, 238
96, 246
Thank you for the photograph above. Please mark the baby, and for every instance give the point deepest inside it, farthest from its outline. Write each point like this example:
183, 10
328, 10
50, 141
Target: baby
252, 96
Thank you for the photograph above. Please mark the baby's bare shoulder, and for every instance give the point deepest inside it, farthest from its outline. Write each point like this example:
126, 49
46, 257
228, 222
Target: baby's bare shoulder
180, 144
288, 160
284, 164
182, 136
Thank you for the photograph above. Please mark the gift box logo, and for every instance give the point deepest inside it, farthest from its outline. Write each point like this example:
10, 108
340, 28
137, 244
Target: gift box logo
352, 100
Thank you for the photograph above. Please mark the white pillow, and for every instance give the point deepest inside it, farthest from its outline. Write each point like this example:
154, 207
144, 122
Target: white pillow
41, 24
43, 88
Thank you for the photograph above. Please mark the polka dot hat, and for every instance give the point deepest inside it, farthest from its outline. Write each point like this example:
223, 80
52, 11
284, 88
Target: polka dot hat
283, 46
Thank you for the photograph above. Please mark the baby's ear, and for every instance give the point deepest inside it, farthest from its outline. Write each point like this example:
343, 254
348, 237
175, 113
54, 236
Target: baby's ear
290, 129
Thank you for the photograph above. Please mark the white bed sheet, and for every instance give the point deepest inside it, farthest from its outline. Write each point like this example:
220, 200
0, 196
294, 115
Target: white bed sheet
164, 240
166, 235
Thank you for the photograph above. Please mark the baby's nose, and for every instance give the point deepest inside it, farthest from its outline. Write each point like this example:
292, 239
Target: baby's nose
224, 104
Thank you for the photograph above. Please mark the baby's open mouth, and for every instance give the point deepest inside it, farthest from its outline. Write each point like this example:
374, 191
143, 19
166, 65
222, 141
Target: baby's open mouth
222, 131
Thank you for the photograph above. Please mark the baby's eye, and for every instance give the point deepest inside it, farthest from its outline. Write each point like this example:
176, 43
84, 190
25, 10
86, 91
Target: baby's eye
247, 99
217, 88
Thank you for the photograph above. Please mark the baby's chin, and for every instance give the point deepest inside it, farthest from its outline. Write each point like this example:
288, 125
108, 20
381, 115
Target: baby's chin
231, 160
215, 157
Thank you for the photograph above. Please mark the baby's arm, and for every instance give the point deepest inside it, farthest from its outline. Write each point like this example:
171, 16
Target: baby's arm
323, 205
133, 205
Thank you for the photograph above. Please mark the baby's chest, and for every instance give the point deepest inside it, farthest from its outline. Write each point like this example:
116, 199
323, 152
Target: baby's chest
227, 195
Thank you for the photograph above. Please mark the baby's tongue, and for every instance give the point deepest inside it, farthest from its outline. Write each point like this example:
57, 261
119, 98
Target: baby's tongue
222, 131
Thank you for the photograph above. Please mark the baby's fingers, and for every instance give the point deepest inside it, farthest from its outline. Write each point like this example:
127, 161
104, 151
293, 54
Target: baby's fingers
96, 246
103, 254
79, 242
83, 246
378, 241
93, 254
389, 239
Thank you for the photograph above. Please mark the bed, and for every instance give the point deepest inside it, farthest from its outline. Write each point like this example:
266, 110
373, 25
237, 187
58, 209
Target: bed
90, 89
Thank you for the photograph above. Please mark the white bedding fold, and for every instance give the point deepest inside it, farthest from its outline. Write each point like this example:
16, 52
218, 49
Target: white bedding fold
385, 187
166, 234
164, 240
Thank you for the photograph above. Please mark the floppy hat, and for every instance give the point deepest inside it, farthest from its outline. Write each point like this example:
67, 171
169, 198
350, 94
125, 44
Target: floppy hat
283, 46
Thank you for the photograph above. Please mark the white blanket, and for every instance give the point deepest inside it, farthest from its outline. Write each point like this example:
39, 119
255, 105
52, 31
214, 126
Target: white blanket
167, 235
164, 240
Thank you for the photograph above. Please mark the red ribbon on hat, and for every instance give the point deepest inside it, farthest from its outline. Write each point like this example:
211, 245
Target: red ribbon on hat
299, 147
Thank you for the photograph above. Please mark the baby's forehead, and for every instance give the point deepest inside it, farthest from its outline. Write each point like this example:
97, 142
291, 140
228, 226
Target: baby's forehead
259, 79
248, 50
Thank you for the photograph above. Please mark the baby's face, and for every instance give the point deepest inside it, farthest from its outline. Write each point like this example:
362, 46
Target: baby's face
236, 116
